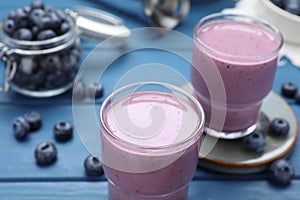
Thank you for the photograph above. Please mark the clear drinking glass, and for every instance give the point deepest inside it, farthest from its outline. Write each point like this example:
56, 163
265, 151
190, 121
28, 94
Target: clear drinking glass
234, 55
150, 134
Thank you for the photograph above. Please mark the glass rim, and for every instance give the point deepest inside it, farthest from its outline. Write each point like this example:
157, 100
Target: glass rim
198, 128
275, 31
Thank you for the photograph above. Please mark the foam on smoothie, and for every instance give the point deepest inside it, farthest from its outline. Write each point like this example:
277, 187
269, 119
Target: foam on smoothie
238, 39
151, 119
148, 131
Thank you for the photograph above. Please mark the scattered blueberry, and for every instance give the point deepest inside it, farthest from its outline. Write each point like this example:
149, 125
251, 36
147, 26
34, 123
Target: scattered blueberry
279, 127
93, 166
255, 141
297, 97
45, 153
20, 128
34, 119
63, 131
79, 92
289, 89
95, 90
281, 172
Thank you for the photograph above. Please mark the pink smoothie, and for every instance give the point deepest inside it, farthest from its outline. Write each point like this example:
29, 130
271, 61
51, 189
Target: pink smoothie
246, 56
152, 148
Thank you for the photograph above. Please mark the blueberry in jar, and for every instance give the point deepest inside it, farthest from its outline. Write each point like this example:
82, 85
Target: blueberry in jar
23, 34
9, 26
46, 34
45, 153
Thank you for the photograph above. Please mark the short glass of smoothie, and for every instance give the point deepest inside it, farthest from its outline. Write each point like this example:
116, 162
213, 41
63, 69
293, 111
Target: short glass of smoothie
233, 67
150, 140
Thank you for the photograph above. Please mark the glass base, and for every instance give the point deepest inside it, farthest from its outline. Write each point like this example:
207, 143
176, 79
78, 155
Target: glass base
230, 135
117, 193
42, 93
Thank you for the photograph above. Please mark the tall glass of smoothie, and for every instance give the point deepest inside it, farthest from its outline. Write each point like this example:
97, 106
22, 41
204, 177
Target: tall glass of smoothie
150, 134
234, 55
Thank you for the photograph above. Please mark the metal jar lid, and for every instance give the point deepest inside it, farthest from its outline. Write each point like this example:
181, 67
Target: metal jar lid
98, 24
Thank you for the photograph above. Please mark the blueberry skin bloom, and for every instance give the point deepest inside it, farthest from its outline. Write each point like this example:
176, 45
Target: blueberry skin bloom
34, 119
93, 166
63, 131
281, 172
45, 153
256, 142
20, 128
279, 127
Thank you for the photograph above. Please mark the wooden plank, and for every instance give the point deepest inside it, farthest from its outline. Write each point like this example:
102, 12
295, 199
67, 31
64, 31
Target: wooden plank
213, 190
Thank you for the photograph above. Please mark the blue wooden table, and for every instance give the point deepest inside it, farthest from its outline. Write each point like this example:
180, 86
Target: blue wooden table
21, 178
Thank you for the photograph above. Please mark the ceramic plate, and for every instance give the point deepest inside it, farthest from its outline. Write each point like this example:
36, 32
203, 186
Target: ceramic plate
229, 156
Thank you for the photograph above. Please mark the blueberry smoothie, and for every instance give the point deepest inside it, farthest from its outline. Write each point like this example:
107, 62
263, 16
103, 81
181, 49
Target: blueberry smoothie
245, 54
150, 145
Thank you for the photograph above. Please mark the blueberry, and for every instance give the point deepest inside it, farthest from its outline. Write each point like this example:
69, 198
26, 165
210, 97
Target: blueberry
95, 90
37, 4
279, 127
62, 16
79, 91
51, 63
46, 34
44, 23
23, 34
27, 65
297, 97
281, 172
36, 15
34, 120
64, 28
27, 10
278, 3
21, 78
68, 60
45, 153
256, 142
93, 166
55, 80
292, 6
38, 78
54, 18
9, 26
63, 131
289, 89
20, 128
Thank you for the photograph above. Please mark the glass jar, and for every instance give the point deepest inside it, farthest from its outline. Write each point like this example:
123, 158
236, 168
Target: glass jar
46, 68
